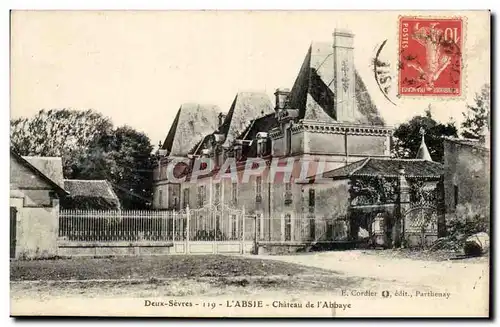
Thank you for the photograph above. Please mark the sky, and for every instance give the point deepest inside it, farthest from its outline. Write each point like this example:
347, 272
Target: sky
138, 67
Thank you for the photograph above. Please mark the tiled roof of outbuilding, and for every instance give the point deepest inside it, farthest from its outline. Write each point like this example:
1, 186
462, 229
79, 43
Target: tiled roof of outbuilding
89, 194
89, 188
414, 168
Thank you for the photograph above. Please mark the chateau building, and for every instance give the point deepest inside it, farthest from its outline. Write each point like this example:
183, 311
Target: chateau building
325, 122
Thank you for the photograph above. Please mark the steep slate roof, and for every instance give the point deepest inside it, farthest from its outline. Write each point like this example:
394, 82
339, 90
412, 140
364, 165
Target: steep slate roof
245, 107
415, 168
47, 168
423, 152
313, 93
191, 124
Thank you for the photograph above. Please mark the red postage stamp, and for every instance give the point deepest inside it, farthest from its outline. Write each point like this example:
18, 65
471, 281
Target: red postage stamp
430, 56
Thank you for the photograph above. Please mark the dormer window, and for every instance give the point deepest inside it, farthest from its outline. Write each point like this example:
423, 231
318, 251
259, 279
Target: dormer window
281, 96
238, 151
218, 157
261, 144
288, 140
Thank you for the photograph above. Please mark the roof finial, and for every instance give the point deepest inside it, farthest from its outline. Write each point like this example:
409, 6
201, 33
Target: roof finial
422, 131
423, 152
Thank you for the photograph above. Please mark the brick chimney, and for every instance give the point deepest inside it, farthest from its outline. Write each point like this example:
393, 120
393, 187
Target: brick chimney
343, 52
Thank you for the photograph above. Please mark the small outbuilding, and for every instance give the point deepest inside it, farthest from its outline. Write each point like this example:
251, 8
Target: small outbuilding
90, 194
36, 186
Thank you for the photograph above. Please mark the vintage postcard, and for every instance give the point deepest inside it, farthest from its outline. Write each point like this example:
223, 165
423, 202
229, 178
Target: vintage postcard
250, 163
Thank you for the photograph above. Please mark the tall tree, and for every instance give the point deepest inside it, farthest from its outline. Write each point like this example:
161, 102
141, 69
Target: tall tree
123, 157
408, 137
477, 116
63, 133
90, 149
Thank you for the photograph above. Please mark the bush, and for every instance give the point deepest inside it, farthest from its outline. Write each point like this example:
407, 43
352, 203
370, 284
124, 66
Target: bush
467, 220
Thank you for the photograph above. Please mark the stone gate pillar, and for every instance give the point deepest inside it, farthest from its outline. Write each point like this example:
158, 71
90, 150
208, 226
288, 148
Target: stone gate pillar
402, 206
441, 208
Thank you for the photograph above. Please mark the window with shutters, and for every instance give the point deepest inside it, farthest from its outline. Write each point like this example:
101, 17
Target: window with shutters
312, 200
258, 189
261, 147
186, 198
288, 140
160, 198
288, 227
234, 193
288, 194
201, 195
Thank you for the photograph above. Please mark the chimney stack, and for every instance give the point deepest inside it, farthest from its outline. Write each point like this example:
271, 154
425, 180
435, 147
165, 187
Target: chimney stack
343, 52
281, 95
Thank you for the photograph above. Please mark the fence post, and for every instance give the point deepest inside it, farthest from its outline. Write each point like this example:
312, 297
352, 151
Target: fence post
173, 215
255, 235
188, 216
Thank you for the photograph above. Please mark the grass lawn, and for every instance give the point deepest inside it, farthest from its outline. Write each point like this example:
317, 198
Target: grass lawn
208, 275
160, 267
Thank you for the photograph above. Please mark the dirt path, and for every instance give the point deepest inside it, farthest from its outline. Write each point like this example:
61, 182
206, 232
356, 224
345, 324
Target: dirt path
465, 282
457, 276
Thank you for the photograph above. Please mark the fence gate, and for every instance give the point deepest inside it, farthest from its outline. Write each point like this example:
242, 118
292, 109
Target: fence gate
213, 229
420, 226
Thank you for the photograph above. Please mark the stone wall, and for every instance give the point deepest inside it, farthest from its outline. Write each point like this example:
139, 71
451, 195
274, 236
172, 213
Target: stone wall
368, 145
36, 229
37, 213
319, 143
468, 169
360, 145
331, 203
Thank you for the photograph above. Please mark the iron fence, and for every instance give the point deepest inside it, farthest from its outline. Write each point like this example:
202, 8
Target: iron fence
120, 225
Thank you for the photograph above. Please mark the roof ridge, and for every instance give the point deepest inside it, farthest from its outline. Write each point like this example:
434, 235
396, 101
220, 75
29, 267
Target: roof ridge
248, 128
400, 159
111, 190
41, 174
361, 166
43, 157
85, 180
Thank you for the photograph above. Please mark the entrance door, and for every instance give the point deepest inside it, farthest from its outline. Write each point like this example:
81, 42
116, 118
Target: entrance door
13, 227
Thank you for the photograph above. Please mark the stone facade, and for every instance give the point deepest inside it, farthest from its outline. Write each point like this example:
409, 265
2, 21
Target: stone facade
466, 175
34, 208
327, 119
